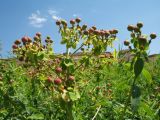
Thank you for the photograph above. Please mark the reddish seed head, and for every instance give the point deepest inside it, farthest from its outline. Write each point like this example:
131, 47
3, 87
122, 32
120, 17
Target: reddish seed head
58, 22
57, 81
115, 31
78, 20
111, 31
130, 27
58, 70
91, 30
107, 33
29, 40
102, 32
136, 29
96, 32
94, 27
57, 60
24, 39
38, 34
17, 42
14, 46
72, 22
49, 79
71, 78
36, 38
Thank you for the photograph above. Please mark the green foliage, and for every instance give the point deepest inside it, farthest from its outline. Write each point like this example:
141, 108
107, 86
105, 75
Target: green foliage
41, 85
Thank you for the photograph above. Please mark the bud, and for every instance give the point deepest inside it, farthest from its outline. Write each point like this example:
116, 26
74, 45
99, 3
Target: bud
78, 20
153, 35
94, 27
14, 46
71, 78
36, 38
72, 22
139, 25
84, 27
115, 31
57, 81
24, 39
49, 79
107, 33
58, 22
17, 42
126, 42
130, 27
85, 32
58, 70
38, 34
48, 37
64, 23
133, 35
91, 30
136, 29
142, 40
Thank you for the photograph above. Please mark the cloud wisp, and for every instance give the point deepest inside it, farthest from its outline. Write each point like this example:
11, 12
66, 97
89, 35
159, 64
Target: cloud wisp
36, 20
53, 14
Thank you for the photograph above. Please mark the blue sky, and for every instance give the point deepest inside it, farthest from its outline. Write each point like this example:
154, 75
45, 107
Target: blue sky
26, 17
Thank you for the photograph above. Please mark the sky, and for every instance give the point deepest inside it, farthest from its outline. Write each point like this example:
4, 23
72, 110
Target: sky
20, 18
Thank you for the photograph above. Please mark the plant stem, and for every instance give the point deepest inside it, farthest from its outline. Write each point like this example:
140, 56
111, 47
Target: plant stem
69, 106
128, 100
96, 112
77, 49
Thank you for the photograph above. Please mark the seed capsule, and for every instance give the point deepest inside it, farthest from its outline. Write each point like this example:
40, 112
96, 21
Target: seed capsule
58, 22
72, 22
17, 42
130, 27
139, 25
126, 42
84, 27
78, 20
153, 35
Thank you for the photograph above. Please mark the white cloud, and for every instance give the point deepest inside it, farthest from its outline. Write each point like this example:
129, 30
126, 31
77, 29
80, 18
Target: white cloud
53, 14
76, 15
36, 20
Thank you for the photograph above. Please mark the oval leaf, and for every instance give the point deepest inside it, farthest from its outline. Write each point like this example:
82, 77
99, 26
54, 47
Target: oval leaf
138, 67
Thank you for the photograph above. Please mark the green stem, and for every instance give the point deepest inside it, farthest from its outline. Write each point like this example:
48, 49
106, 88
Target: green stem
128, 100
77, 49
69, 114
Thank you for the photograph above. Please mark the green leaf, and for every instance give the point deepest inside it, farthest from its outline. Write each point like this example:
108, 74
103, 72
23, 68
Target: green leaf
74, 95
37, 116
147, 75
138, 67
40, 56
